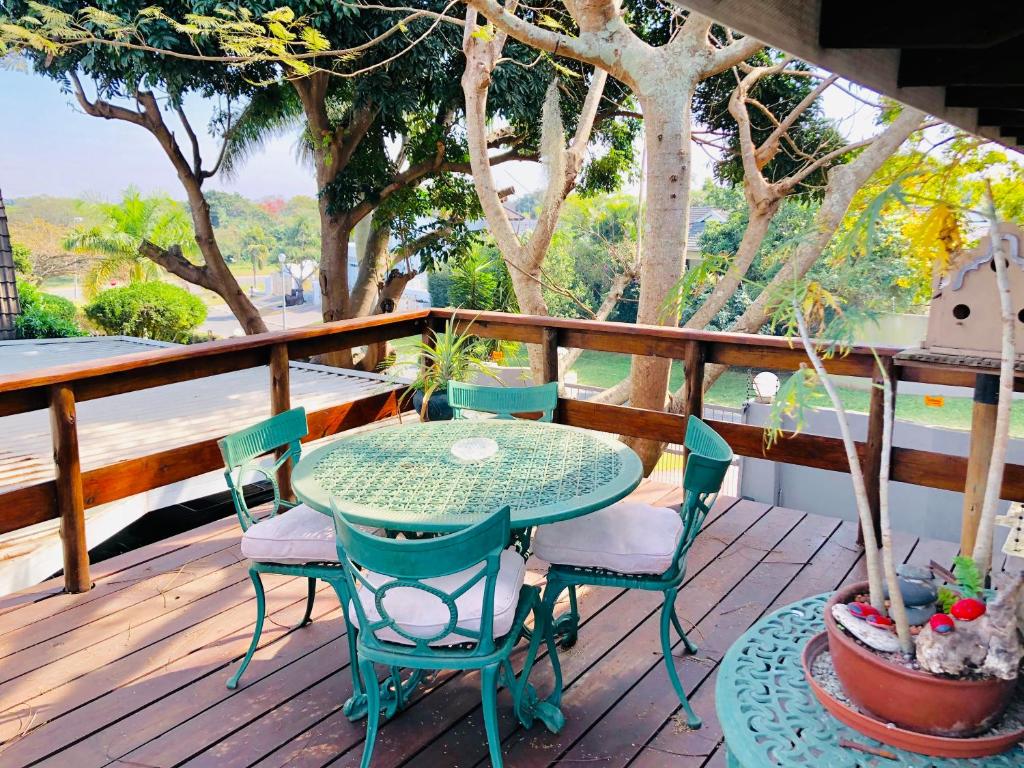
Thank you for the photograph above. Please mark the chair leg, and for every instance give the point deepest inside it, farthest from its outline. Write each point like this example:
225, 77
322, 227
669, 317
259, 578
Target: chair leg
489, 694
691, 647
310, 597
260, 609
372, 712
666, 648
355, 707
569, 624
550, 598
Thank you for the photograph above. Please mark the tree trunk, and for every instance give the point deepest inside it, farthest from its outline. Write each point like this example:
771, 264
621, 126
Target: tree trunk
334, 237
666, 225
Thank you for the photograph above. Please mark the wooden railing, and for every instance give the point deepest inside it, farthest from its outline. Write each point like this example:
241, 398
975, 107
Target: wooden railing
74, 490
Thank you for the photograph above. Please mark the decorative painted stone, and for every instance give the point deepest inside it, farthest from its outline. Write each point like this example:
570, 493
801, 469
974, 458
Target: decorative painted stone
862, 610
941, 623
879, 620
920, 592
967, 609
879, 638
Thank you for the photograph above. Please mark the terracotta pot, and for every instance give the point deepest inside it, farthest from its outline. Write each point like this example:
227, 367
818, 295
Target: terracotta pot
894, 736
917, 701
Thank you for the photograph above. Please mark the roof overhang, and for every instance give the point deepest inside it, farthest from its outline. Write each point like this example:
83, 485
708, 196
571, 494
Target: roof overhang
961, 62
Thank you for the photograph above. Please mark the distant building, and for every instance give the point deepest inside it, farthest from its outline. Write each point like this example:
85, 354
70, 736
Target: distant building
700, 215
10, 307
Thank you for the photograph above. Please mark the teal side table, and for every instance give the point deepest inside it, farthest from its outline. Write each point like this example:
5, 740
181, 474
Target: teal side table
769, 714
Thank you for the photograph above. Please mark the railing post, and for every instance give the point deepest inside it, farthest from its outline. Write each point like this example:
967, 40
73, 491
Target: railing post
281, 401
70, 499
872, 460
549, 349
983, 432
693, 383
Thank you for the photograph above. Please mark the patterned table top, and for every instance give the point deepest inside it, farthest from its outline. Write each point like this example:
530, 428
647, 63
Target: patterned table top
769, 714
405, 477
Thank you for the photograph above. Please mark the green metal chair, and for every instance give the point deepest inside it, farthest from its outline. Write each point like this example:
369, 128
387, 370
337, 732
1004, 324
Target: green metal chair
637, 546
452, 602
294, 540
504, 402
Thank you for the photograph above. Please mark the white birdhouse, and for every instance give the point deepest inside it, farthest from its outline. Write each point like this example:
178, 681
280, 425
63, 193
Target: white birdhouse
964, 316
1014, 520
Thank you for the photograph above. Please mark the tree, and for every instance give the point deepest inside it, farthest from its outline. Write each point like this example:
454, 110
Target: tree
663, 76
129, 84
525, 255
150, 310
124, 227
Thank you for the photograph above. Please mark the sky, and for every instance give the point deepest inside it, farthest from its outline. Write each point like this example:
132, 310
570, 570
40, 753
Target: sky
48, 146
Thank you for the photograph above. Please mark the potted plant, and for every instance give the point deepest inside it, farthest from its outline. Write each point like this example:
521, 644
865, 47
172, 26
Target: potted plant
446, 356
952, 676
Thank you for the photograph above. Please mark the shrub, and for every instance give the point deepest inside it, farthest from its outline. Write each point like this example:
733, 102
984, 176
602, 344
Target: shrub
44, 316
149, 310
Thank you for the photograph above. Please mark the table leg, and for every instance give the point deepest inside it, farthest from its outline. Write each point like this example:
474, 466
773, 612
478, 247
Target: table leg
529, 706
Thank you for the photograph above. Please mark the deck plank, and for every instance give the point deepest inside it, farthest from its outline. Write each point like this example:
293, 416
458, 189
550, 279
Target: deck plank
133, 672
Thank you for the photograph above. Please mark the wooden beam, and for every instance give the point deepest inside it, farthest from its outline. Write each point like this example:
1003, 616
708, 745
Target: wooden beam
128, 373
280, 402
995, 97
999, 65
983, 432
693, 383
990, 116
884, 24
549, 350
68, 484
873, 448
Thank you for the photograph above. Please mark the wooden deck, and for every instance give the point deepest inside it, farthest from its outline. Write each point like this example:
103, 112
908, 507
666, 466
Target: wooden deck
132, 673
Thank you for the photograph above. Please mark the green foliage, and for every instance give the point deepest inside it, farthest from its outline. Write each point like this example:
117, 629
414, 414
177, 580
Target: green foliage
448, 356
812, 134
481, 281
22, 259
968, 577
150, 310
122, 228
44, 316
797, 395
946, 598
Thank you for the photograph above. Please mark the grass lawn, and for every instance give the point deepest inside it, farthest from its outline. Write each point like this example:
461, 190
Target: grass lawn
604, 369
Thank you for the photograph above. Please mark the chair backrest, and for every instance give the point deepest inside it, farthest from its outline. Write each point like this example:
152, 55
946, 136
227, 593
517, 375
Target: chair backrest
243, 449
408, 563
503, 402
707, 460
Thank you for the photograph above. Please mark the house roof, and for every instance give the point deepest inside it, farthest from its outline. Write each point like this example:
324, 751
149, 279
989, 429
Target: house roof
959, 63
10, 308
700, 215
135, 424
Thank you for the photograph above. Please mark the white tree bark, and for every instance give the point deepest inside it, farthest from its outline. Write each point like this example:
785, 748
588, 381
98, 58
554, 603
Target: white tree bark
860, 492
897, 608
663, 80
993, 486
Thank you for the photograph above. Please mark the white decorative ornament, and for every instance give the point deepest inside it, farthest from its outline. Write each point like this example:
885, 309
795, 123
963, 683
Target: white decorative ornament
473, 449
1014, 520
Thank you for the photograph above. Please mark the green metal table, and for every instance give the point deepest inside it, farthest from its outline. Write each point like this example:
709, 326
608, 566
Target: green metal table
405, 477
770, 717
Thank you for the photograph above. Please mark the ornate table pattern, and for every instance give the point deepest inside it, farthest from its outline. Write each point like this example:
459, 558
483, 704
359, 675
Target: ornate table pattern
769, 714
405, 477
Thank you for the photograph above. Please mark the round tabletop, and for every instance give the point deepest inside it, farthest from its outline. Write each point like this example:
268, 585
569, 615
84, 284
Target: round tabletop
405, 477
770, 716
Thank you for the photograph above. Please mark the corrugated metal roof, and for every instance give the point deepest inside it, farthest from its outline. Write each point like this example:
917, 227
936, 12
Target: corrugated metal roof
135, 424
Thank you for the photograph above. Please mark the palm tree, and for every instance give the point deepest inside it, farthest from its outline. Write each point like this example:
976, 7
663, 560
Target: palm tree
115, 240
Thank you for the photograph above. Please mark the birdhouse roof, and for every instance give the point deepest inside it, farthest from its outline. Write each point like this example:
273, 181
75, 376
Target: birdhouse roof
968, 261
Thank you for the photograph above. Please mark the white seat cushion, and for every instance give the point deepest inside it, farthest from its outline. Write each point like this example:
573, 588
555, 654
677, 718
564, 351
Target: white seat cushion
298, 535
628, 537
422, 614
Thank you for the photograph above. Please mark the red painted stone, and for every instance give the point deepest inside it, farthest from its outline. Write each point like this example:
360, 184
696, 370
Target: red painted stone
967, 609
862, 610
879, 620
941, 623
